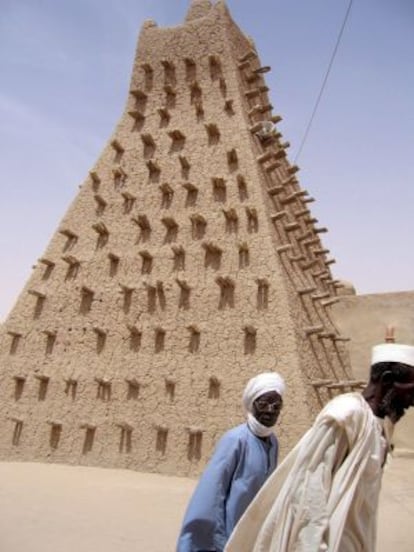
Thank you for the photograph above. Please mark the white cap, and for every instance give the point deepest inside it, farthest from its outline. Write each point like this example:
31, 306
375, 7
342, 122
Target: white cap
393, 352
261, 384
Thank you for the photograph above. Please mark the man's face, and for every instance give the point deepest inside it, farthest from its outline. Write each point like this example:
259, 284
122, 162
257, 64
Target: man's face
401, 396
267, 407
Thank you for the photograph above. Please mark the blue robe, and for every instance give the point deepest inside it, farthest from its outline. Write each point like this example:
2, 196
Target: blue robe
238, 468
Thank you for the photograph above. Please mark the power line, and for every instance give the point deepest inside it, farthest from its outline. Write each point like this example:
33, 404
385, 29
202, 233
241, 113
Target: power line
325, 80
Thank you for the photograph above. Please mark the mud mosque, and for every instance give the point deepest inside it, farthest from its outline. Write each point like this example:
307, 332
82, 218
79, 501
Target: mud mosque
188, 262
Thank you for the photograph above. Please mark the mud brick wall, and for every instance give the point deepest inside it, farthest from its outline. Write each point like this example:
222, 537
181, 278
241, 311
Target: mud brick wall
188, 262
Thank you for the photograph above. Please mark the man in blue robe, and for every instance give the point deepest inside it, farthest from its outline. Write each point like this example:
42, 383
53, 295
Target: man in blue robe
242, 461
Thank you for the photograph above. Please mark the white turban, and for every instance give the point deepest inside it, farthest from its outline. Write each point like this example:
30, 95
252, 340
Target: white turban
257, 386
261, 384
393, 352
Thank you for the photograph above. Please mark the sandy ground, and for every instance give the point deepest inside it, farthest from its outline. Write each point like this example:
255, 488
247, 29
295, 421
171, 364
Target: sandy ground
56, 508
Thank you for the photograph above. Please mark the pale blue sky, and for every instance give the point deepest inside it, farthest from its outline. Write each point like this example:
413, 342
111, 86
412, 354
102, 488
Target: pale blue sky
65, 68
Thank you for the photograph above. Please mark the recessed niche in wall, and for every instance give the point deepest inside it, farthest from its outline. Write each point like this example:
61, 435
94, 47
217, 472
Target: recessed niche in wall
165, 116
135, 338
159, 340
223, 86
199, 109
185, 166
177, 140
213, 387
227, 287
43, 386
50, 341
104, 389
100, 339
71, 387
125, 440
140, 98
138, 118
169, 72
231, 221
178, 257
161, 440
242, 187
171, 229
195, 440
244, 255
15, 342
170, 385
126, 297
40, 302
212, 257
192, 194
134, 389
229, 107
151, 298
144, 227
118, 149
103, 234
262, 294
161, 295
198, 226
185, 291
252, 220
71, 238
19, 383
17, 431
249, 340
194, 341
148, 76
48, 267
113, 264
170, 96
146, 261
119, 176
195, 93
167, 194
190, 69
149, 145
129, 201
95, 180
73, 266
87, 296
213, 134
232, 160
215, 67
219, 190
55, 433
154, 170
90, 431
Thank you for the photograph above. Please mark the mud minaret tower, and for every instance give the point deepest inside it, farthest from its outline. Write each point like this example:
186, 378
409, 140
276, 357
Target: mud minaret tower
188, 262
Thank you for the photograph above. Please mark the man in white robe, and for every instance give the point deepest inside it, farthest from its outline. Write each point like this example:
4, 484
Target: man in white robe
324, 496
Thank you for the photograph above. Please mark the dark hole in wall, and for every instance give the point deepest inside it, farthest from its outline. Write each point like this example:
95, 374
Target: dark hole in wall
17, 432
55, 435
125, 442
88, 440
194, 445
18, 387
161, 441
43, 387
39, 305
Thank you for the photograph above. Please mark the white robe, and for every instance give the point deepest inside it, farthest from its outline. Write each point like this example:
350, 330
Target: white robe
324, 495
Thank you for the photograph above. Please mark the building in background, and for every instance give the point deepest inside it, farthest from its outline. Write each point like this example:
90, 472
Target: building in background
366, 320
188, 262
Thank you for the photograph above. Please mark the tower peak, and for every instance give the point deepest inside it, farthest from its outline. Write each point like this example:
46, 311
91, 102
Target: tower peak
198, 8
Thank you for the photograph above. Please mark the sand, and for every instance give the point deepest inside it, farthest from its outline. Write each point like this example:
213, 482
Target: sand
57, 508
